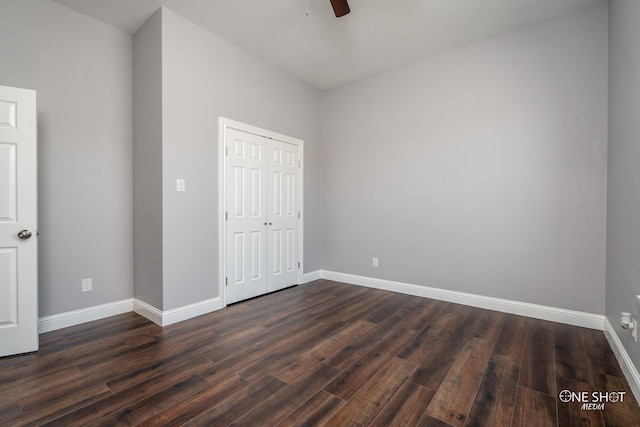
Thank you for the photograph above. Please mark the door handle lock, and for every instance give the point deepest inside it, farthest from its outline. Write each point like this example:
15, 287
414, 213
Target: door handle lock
24, 234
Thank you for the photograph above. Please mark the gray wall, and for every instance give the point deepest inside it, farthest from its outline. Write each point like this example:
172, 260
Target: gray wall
623, 232
204, 77
480, 170
81, 70
147, 161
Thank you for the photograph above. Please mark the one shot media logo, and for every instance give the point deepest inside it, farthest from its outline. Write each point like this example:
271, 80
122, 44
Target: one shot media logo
593, 401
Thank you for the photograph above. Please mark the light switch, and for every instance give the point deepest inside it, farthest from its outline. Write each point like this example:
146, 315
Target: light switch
181, 185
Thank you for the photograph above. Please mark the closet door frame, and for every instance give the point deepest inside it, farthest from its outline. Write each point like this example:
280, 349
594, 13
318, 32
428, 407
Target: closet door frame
224, 125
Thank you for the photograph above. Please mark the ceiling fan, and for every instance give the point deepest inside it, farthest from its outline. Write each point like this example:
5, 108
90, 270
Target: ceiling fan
340, 7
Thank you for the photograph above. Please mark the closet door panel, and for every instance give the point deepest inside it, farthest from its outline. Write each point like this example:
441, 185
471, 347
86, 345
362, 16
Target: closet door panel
246, 230
283, 208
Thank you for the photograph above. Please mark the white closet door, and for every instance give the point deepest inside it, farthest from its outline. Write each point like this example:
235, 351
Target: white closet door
283, 208
262, 210
246, 224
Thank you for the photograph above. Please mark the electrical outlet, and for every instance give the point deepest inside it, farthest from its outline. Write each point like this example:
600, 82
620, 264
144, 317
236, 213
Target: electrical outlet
375, 262
87, 285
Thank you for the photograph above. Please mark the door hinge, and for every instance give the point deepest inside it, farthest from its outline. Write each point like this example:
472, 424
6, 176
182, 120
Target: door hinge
298, 266
226, 216
298, 215
226, 281
299, 165
226, 151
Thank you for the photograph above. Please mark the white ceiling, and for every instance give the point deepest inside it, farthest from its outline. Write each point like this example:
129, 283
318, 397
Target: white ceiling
325, 51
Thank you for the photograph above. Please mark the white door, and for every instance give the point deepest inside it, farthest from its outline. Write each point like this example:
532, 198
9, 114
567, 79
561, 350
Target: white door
18, 222
262, 214
246, 215
282, 256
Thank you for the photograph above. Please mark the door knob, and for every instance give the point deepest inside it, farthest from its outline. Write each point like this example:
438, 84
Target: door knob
24, 234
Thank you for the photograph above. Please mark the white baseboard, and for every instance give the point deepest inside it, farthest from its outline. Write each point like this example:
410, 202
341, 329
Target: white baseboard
310, 277
628, 368
76, 317
169, 317
162, 318
554, 314
148, 311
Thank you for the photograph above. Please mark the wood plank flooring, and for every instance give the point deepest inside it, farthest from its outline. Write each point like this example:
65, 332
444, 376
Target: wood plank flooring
320, 354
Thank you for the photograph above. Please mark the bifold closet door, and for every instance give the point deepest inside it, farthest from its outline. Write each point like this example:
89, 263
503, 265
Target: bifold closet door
282, 213
262, 218
246, 212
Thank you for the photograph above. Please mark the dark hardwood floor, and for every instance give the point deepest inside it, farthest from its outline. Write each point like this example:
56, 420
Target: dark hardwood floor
319, 354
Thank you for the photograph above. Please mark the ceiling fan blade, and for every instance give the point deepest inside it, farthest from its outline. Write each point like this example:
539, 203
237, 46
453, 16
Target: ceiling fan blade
340, 7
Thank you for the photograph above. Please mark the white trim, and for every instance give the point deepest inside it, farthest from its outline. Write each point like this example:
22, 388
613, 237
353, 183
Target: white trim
76, 317
628, 368
162, 318
148, 311
190, 311
222, 135
312, 276
300, 145
554, 314
223, 125
169, 317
